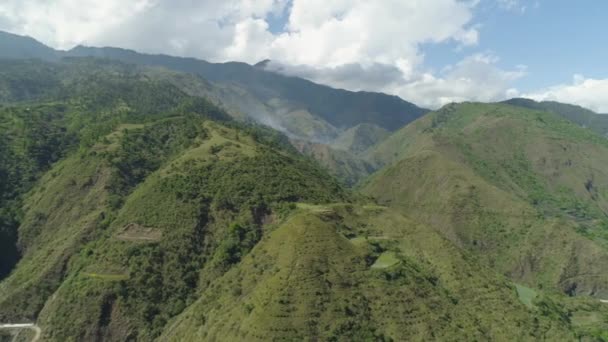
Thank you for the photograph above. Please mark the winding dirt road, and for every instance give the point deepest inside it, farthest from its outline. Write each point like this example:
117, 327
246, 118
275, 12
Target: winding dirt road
24, 326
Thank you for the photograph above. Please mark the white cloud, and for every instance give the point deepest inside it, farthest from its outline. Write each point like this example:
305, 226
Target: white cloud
475, 78
330, 33
64, 23
319, 32
586, 92
204, 29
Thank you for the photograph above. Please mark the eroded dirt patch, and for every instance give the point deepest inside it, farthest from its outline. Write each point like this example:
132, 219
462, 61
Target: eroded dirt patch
137, 233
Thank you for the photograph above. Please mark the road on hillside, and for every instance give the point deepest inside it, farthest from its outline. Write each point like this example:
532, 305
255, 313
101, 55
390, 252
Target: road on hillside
24, 326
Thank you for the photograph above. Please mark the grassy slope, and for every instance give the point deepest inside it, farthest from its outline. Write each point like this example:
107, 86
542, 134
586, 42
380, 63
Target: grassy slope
500, 180
312, 278
579, 115
61, 213
523, 190
309, 275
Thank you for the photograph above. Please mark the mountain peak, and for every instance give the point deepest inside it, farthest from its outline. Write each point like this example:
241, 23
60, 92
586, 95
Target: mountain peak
262, 64
24, 47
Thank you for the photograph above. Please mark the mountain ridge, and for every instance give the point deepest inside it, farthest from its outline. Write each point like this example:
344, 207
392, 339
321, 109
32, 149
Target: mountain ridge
301, 92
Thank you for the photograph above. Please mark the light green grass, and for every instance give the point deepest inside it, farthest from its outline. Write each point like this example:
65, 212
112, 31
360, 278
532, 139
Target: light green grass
526, 295
359, 241
108, 277
313, 207
386, 259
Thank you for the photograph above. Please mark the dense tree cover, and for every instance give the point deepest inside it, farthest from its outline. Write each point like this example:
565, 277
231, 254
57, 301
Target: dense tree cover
227, 198
52, 110
27, 80
140, 128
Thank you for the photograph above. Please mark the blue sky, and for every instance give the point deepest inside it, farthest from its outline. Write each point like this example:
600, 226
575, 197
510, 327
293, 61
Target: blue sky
430, 52
555, 40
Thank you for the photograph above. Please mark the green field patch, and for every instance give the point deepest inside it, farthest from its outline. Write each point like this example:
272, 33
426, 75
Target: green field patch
112, 141
359, 241
223, 144
386, 259
526, 295
314, 208
375, 207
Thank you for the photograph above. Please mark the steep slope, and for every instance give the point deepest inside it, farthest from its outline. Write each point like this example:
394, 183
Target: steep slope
175, 230
342, 109
347, 167
345, 272
524, 190
72, 115
577, 114
359, 138
137, 181
145, 213
299, 108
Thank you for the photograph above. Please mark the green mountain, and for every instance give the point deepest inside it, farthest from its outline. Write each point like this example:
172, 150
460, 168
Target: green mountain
125, 171
340, 108
141, 212
299, 108
522, 190
14, 46
141, 203
579, 115
506, 161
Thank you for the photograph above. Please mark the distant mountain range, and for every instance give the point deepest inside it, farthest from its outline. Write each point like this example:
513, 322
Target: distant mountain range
278, 95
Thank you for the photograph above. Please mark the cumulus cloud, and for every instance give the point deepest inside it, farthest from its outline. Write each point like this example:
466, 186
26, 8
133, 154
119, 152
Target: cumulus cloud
64, 23
336, 32
475, 78
318, 32
352, 44
585, 92
204, 29
353, 76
